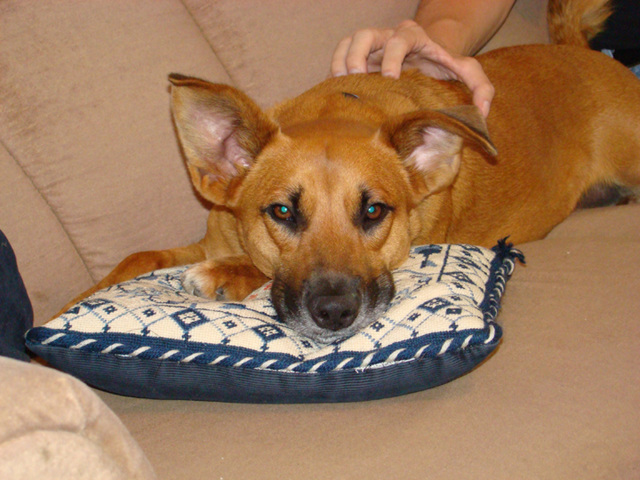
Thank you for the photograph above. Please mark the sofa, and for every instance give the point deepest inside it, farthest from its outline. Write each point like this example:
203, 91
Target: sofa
91, 171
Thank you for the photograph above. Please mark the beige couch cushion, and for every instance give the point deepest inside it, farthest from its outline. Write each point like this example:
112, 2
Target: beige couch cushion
54, 427
526, 24
278, 49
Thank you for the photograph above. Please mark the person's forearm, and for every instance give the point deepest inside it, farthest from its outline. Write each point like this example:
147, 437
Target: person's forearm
462, 26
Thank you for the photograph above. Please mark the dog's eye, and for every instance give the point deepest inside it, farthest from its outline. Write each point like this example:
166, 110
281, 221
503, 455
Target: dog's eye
374, 214
281, 213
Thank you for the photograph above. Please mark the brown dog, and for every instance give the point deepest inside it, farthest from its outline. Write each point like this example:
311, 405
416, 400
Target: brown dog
326, 192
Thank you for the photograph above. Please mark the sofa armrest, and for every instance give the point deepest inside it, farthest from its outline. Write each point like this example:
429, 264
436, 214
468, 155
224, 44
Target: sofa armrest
53, 426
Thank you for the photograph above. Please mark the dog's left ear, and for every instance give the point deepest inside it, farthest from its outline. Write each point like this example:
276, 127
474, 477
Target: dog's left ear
430, 144
221, 130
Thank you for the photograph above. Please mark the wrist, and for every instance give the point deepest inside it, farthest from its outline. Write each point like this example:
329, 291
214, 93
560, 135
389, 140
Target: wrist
451, 35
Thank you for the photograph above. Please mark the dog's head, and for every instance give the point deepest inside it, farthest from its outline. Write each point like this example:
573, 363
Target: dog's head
326, 207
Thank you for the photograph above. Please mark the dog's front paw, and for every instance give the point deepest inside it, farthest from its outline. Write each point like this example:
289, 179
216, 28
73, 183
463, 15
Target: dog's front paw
227, 279
196, 282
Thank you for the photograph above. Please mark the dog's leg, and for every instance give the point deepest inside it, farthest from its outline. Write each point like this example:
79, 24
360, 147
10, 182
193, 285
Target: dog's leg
602, 195
143, 262
229, 278
618, 150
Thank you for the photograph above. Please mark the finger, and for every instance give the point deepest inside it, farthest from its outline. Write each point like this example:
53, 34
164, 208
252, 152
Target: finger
482, 98
395, 52
363, 44
466, 69
408, 38
471, 73
339, 59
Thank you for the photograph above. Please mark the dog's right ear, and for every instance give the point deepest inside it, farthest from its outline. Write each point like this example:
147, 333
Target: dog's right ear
221, 130
430, 143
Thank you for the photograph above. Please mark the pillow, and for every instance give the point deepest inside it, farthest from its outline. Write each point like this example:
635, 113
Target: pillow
149, 338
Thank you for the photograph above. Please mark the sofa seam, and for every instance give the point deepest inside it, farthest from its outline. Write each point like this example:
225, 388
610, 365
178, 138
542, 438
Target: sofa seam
48, 204
206, 39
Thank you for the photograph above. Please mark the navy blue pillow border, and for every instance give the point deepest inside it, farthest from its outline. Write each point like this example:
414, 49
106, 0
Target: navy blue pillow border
150, 377
164, 380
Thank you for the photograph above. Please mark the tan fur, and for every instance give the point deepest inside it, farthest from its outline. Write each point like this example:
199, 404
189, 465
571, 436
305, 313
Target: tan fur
371, 165
576, 22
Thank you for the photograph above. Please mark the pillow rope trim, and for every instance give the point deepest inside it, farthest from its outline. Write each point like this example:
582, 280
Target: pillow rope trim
64, 347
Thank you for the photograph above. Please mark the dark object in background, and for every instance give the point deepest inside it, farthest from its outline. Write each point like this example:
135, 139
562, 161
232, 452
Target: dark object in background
16, 314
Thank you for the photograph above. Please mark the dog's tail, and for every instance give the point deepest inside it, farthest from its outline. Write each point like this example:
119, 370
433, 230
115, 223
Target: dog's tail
575, 22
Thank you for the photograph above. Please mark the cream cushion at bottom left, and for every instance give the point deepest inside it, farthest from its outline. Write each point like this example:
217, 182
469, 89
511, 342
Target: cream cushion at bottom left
52, 426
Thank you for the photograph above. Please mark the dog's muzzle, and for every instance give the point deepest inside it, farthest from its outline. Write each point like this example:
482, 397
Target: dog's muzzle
331, 306
333, 300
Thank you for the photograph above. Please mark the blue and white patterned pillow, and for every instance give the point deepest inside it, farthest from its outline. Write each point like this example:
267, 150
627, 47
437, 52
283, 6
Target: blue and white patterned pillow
149, 338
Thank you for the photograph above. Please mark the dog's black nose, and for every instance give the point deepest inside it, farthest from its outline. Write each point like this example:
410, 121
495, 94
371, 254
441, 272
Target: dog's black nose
334, 312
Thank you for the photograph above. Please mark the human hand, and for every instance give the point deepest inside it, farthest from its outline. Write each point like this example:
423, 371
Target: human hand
408, 46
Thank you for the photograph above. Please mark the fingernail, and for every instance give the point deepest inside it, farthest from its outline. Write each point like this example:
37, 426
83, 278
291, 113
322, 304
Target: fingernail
486, 107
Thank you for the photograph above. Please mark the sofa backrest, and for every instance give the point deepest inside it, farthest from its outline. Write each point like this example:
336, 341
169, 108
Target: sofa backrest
90, 169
